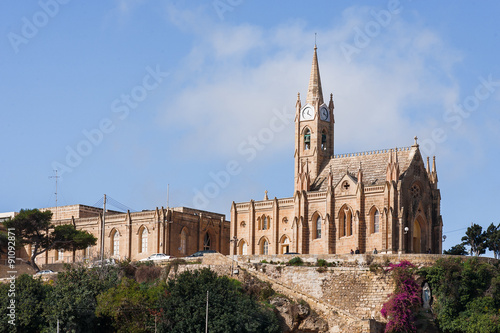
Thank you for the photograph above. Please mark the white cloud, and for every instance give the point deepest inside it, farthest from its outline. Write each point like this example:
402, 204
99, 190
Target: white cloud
388, 93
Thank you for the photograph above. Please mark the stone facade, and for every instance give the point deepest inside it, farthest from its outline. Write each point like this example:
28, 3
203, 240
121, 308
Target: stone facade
178, 232
386, 199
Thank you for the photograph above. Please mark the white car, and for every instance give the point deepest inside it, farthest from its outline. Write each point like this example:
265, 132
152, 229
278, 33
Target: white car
156, 256
105, 262
46, 271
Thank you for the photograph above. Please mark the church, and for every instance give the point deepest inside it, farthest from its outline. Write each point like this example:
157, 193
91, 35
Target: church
385, 200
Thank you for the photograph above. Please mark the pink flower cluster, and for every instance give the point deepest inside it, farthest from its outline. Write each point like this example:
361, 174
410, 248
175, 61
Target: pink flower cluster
406, 298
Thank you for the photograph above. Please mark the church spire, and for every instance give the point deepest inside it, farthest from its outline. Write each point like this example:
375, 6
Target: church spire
315, 92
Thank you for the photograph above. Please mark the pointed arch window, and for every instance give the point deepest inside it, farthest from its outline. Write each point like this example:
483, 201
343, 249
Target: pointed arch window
184, 241
144, 240
323, 140
207, 242
318, 226
350, 224
265, 247
307, 139
376, 221
345, 222
88, 251
115, 242
265, 223
345, 225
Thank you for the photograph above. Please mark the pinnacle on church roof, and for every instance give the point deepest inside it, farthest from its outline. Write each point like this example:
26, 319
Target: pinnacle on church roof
315, 92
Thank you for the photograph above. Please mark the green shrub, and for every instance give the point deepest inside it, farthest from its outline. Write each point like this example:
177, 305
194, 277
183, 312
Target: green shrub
296, 261
321, 263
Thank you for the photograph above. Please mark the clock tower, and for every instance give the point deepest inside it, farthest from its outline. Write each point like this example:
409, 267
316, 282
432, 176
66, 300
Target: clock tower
313, 131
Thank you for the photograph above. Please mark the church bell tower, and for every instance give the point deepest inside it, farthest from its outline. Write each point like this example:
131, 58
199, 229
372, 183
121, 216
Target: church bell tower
313, 131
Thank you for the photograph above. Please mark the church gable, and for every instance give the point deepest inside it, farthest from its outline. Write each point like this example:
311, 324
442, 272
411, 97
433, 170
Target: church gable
346, 186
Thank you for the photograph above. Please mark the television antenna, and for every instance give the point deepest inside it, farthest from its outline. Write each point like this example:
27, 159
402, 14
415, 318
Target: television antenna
56, 177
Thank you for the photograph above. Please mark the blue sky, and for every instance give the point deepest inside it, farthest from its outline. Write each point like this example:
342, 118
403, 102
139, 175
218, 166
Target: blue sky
125, 97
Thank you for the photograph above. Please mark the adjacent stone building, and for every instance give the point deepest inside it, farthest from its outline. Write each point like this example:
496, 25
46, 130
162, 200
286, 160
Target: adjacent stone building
178, 232
386, 199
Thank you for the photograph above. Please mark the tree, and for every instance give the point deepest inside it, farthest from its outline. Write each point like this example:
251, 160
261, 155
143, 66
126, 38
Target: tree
4, 241
230, 310
466, 295
493, 239
29, 296
457, 250
31, 227
475, 238
74, 299
66, 237
34, 227
130, 305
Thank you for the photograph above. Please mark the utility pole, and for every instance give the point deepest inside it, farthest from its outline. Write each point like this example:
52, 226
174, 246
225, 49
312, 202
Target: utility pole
56, 176
206, 317
103, 229
168, 193
234, 240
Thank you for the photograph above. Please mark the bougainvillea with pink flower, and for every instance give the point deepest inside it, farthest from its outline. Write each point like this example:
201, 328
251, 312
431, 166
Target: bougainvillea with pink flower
403, 303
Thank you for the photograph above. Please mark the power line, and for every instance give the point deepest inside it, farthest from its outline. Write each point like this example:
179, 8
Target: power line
449, 232
114, 203
98, 203
119, 205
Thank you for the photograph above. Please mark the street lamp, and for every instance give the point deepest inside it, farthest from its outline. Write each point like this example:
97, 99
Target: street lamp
234, 240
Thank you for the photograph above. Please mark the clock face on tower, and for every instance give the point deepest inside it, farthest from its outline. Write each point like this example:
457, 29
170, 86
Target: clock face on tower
307, 113
324, 113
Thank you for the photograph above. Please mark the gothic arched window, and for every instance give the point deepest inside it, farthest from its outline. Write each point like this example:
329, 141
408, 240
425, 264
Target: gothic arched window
184, 241
265, 223
207, 242
143, 239
323, 140
318, 226
115, 242
307, 139
265, 247
345, 222
344, 225
376, 221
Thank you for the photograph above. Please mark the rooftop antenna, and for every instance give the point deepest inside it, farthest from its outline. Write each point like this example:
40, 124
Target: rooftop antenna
315, 39
56, 176
168, 190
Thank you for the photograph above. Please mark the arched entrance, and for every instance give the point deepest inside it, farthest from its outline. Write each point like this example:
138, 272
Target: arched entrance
285, 245
417, 237
243, 247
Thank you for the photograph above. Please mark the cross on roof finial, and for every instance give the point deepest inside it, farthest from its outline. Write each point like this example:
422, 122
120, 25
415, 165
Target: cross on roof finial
416, 140
265, 196
315, 40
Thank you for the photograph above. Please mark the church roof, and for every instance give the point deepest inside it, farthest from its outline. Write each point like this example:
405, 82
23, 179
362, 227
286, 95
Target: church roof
373, 165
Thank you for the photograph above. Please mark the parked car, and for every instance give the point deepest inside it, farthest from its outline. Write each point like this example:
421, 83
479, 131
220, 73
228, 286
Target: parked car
105, 262
46, 271
156, 256
201, 253
292, 253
